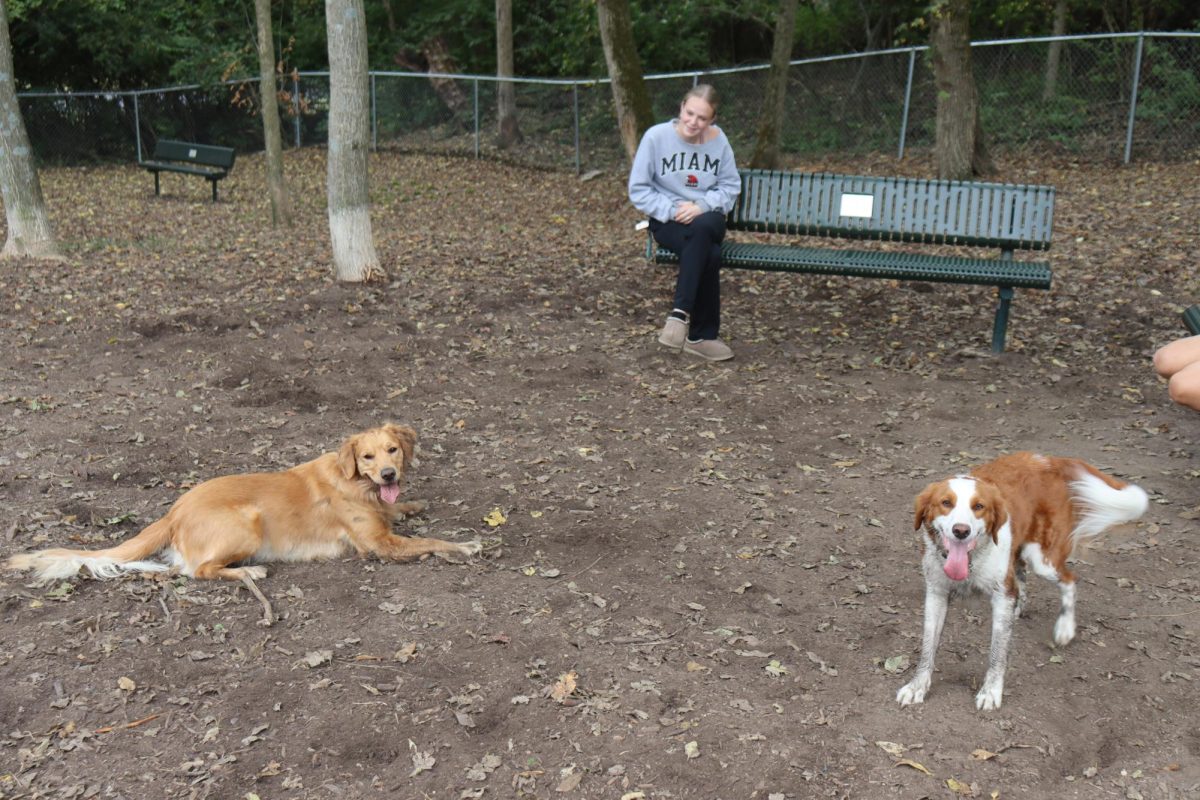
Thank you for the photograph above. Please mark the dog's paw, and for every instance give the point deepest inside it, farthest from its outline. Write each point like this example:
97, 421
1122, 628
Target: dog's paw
410, 507
254, 573
460, 551
1064, 630
989, 697
914, 691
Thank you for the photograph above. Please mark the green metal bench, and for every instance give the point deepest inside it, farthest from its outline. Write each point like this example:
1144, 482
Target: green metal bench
1191, 319
907, 210
208, 161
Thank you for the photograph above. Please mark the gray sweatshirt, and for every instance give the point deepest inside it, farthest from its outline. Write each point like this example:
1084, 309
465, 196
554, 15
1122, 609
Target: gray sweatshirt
668, 171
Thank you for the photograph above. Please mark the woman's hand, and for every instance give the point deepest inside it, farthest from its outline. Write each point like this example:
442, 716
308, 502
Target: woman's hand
687, 213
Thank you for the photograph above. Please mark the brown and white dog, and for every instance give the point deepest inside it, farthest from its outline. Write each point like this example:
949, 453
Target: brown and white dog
984, 529
320, 509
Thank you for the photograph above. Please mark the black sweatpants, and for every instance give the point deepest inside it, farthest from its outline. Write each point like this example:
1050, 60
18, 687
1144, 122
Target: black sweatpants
698, 287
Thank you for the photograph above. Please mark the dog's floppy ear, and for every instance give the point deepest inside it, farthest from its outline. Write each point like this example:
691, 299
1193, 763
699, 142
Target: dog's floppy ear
995, 512
407, 438
922, 508
346, 460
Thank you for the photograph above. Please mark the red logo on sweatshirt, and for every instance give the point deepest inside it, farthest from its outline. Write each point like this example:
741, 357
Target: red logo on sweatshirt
692, 182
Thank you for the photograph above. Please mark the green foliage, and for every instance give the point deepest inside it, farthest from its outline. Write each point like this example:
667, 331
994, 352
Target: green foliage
104, 44
109, 44
1170, 89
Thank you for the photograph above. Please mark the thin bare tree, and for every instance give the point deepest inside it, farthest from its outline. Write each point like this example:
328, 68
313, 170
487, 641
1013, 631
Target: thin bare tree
354, 257
770, 122
506, 94
634, 114
960, 149
29, 231
281, 204
1054, 54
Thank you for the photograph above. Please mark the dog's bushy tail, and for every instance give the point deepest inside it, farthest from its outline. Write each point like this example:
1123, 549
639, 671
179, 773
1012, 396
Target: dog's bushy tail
1101, 502
56, 564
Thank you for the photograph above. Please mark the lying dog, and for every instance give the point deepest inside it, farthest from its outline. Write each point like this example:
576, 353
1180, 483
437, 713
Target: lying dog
319, 509
984, 529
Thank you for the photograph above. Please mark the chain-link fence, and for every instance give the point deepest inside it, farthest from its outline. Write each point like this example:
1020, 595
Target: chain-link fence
1118, 96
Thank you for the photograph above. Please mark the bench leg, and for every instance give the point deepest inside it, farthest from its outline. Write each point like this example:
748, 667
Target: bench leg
1000, 328
156, 184
214, 185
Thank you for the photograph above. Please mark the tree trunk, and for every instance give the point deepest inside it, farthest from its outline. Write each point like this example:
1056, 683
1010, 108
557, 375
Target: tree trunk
391, 16
506, 94
1054, 55
281, 205
960, 150
354, 256
770, 124
634, 114
438, 55
29, 232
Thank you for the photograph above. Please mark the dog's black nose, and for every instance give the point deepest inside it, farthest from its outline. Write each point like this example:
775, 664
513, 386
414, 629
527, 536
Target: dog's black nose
388, 474
961, 531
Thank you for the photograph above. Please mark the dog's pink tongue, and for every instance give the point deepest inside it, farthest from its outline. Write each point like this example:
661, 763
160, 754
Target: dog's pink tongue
957, 563
390, 493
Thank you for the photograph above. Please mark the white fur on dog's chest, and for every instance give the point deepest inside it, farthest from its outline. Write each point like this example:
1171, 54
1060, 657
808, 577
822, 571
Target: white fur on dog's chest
989, 565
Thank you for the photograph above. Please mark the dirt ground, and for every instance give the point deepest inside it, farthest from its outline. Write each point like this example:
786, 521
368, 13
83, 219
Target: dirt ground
701, 580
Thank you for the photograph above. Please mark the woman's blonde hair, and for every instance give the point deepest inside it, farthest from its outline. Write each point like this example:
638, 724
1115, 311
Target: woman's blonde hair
705, 92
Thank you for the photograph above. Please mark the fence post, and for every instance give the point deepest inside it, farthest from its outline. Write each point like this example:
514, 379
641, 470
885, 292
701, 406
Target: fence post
137, 125
475, 83
575, 95
912, 60
1133, 93
296, 106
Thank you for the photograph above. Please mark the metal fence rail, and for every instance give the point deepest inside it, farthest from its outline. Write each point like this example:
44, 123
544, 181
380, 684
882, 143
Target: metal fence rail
1112, 96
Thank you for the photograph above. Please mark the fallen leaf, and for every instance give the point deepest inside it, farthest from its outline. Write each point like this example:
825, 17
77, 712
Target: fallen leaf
495, 518
422, 762
316, 658
692, 749
958, 787
126, 684
569, 783
982, 755
896, 664
564, 687
908, 762
775, 669
891, 748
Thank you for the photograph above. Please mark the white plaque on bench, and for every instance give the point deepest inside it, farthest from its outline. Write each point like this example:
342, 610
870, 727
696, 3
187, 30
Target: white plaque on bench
857, 205
191, 152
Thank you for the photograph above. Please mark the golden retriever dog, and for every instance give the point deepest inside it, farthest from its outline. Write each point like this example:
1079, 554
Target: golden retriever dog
317, 510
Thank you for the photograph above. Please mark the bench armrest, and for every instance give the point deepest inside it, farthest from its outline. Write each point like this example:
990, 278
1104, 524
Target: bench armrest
1191, 319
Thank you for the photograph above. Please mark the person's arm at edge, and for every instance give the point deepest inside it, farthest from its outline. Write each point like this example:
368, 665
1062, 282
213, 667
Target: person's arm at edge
642, 192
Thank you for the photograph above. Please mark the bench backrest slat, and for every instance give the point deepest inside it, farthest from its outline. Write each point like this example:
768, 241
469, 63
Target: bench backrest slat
208, 155
1010, 216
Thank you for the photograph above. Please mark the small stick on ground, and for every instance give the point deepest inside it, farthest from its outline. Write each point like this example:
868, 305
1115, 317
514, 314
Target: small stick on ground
268, 615
134, 724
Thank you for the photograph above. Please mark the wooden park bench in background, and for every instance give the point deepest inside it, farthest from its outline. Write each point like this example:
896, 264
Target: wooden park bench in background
208, 161
908, 211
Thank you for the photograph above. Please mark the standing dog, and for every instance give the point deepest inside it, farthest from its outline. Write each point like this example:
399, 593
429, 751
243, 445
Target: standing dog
320, 509
984, 529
